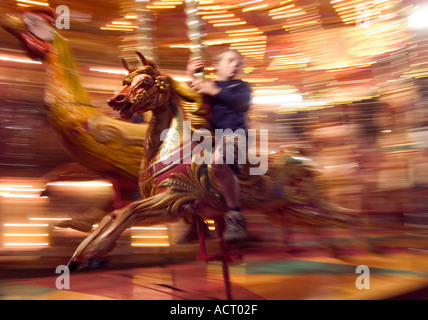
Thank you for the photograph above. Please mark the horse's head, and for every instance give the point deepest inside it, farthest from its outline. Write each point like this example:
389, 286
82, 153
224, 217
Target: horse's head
33, 27
144, 89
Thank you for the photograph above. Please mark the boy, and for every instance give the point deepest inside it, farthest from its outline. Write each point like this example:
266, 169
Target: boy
229, 99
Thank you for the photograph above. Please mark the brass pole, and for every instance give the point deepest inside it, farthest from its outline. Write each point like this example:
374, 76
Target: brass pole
194, 33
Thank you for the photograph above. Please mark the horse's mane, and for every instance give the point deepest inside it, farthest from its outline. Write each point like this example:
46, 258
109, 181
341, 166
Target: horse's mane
192, 105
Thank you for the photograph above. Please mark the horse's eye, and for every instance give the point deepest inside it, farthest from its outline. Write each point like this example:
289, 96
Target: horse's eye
146, 81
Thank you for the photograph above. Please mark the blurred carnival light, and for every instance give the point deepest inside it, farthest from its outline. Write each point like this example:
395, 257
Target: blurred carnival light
18, 59
419, 19
277, 99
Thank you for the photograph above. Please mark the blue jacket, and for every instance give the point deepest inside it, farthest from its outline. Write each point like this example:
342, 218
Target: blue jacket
229, 106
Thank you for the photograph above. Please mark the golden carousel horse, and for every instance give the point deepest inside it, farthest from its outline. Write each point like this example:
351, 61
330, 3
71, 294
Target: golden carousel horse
175, 183
109, 147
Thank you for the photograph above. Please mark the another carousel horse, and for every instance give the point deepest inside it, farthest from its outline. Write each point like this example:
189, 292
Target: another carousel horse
110, 147
175, 183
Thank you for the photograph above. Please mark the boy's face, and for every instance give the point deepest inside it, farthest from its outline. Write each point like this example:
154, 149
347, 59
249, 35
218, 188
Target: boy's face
229, 65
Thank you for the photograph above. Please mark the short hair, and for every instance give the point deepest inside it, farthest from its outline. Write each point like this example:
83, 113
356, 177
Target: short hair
221, 54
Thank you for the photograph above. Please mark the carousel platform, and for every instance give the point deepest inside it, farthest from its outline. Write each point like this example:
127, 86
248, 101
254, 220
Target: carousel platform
265, 271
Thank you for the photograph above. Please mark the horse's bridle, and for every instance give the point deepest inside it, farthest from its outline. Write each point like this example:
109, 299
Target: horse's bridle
161, 87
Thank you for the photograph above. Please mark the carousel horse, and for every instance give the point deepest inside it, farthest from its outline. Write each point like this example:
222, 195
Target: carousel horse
110, 147
175, 184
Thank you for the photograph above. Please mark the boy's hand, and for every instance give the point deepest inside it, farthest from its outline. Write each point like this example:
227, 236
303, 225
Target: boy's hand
194, 66
205, 87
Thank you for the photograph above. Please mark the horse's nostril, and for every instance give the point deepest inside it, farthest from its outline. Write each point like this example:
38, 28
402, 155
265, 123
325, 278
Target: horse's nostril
120, 98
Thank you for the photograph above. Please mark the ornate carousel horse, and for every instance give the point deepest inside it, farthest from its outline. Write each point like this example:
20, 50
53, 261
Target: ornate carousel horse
175, 184
109, 147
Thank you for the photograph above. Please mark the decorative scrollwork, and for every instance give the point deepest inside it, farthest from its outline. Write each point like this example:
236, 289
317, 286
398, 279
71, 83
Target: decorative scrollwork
193, 187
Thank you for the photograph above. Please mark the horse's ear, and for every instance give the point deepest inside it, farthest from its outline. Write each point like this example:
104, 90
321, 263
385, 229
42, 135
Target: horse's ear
146, 62
46, 13
126, 66
142, 58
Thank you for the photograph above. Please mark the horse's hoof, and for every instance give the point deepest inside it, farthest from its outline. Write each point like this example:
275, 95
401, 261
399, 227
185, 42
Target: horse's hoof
95, 264
73, 266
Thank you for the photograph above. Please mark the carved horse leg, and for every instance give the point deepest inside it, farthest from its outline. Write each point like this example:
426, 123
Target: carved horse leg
103, 239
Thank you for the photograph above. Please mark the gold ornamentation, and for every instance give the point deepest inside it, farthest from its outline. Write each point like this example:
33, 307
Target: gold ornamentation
195, 187
192, 105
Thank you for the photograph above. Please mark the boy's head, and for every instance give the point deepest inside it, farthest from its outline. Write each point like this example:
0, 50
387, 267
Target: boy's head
228, 64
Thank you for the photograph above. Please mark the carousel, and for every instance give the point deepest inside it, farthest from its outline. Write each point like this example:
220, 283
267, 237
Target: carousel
107, 191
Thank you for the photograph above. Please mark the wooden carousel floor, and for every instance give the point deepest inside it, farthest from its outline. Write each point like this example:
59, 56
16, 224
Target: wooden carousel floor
264, 273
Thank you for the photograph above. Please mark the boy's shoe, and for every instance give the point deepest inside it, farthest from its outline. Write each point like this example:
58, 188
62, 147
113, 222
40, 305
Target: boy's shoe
235, 227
